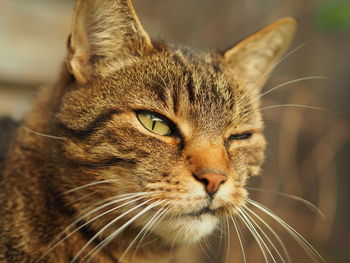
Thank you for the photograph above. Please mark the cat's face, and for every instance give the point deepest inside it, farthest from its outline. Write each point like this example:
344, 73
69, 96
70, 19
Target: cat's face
156, 133
203, 122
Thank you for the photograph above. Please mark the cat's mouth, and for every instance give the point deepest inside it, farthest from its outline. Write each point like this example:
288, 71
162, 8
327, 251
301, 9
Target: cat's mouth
208, 211
204, 211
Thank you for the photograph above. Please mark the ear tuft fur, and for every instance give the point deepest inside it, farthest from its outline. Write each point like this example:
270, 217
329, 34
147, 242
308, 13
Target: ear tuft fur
106, 35
253, 59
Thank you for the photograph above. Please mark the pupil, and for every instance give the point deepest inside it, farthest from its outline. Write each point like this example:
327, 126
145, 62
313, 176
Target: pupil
154, 124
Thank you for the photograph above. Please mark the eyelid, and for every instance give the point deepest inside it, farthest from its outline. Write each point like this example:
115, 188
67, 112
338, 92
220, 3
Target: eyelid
242, 132
240, 136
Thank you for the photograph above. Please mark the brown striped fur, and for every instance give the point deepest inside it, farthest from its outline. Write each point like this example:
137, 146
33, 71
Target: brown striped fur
113, 70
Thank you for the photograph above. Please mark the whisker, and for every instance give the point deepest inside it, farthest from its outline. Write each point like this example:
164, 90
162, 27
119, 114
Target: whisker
254, 233
103, 229
91, 184
296, 106
147, 232
107, 240
204, 251
150, 223
113, 199
138, 245
308, 248
43, 134
174, 239
239, 238
240, 231
265, 235
75, 222
308, 204
82, 198
228, 239
269, 69
280, 241
287, 83
257, 229
209, 247
221, 235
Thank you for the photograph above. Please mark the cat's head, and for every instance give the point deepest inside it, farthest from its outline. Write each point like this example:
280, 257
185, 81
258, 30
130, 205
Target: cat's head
171, 133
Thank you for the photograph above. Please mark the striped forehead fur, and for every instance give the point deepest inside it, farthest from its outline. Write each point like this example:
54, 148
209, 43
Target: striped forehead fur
167, 80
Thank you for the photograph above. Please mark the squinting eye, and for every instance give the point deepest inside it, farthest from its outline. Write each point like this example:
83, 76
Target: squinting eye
242, 136
154, 123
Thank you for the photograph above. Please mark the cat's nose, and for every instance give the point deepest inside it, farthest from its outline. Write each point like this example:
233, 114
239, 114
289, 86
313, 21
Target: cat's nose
211, 181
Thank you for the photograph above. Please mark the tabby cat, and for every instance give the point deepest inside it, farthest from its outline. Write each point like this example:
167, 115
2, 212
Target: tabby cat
140, 149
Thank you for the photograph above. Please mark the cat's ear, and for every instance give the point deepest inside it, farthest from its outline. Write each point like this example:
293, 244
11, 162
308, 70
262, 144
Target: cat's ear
106, 35
252, 59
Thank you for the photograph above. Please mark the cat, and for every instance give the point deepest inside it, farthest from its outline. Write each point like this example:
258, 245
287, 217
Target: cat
140, 149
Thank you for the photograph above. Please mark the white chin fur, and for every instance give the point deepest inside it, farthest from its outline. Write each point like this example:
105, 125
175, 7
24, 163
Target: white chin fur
185, 230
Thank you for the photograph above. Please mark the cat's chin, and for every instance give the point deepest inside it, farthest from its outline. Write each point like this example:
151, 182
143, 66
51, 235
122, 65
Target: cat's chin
185, 230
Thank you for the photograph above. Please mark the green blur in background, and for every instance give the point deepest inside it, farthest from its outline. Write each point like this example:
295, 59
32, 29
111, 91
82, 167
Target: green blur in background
333, 16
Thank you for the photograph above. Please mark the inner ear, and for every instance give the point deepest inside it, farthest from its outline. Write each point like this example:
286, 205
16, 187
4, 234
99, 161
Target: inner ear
106, 35
252, 60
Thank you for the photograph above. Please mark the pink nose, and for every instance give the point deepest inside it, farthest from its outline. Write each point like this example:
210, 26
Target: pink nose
211, 181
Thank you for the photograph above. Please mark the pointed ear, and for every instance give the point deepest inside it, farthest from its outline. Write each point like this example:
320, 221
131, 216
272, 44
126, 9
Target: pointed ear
106, 34
251, 60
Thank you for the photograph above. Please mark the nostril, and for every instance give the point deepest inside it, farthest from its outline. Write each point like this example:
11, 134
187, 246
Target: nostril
204, 181
211, 181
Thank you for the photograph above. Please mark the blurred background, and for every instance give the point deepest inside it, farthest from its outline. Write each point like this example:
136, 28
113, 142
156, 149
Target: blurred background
308, 151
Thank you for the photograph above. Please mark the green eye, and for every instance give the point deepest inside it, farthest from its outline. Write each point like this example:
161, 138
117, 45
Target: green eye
154, 123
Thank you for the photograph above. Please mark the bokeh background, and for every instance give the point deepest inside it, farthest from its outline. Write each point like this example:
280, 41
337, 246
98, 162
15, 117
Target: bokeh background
308, 151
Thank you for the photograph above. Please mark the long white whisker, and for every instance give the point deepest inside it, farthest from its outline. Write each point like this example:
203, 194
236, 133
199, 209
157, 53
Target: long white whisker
204, 251
228, 240
138, 245
257, 229
221, 234
43, 134
308, 248
91, 184
91, 220
107, 240
280, 241
147, 231
82, 197
239, 238
153, 219
266, 237
253, 231
208, 246
113, 200
287, 83
308, 204
294, 105
174, 240
269, 69
103, 229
